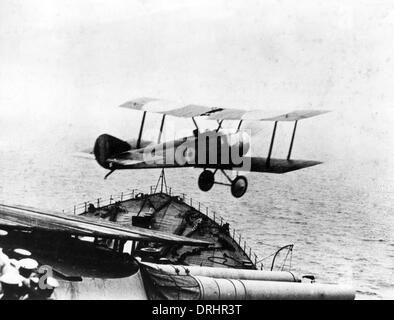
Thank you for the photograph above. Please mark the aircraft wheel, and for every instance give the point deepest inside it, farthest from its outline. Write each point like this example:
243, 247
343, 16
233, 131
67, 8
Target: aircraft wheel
206, 180
239, 186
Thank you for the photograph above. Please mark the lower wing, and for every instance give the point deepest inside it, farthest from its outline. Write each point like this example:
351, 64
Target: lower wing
259, 164
251, 164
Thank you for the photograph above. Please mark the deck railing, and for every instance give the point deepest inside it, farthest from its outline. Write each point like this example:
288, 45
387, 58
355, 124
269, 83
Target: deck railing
98, 203
234, 234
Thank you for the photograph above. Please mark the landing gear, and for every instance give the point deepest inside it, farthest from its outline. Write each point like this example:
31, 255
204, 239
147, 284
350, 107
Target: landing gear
239, 185
206, 180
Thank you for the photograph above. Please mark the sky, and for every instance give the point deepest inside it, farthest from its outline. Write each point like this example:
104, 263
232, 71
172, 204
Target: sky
75, 61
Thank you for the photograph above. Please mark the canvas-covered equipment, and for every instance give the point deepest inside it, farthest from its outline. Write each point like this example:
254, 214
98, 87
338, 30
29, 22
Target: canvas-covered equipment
161, 285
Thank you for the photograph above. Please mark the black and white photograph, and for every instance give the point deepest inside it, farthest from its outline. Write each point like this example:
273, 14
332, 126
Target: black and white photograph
210, 151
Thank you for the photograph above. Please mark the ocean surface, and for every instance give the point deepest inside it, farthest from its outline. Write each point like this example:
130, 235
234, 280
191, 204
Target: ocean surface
339, 215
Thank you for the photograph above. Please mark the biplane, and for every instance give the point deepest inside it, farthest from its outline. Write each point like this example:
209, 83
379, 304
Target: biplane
209, 150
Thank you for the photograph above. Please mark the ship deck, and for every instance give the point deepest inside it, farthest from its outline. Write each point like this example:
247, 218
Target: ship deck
164, 212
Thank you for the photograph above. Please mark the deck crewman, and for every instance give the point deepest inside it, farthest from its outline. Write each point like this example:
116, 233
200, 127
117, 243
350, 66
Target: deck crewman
19, 280
10, 279
27, 266
50, 285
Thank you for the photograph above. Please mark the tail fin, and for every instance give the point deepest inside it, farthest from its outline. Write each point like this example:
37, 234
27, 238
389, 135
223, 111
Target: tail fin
107, 146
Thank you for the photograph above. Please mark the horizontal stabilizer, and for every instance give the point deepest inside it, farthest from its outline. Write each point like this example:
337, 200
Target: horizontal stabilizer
84, 155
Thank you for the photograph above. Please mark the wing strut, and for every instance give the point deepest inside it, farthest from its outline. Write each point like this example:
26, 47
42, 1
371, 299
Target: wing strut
161, 128
219, 125
272, 144
141, 129
195, 123
239, 125
292, 140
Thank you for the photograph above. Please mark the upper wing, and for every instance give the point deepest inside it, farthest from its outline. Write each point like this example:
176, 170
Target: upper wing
16, 217
192, 110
